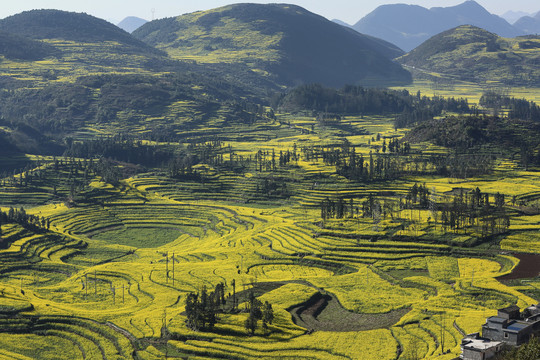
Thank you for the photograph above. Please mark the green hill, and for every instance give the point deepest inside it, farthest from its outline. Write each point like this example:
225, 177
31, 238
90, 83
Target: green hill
473, 54
70, 26
69, 74
285, 42
18, 47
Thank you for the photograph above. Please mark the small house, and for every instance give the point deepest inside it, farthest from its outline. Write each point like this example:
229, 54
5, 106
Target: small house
474, 347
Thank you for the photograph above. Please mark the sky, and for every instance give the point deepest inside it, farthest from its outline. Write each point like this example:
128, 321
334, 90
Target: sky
349, 11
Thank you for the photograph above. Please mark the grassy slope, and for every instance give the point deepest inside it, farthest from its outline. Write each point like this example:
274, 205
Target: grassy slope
97, 73
463, 53
287, 41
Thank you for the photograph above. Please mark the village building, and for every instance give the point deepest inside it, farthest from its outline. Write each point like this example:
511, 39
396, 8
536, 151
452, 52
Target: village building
474, 347
509, 328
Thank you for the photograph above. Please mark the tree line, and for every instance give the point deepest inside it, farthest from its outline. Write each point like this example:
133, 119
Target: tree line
474, 211
357, 100
21, 217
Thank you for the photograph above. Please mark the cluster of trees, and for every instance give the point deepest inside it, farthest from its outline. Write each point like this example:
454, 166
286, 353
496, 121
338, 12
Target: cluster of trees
418, 194
428, 108
475, 212
392, 165
202, 310
522, 109
356, 100
396, 146
337, 209
119, 147
22, 178
463, 134
258, 311
19, 216
353, 166
484, 213
463, 165
528, 351
273, 186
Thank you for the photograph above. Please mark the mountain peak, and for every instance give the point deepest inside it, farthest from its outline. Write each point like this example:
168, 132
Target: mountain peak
131, 23
287, 42
468, 9
59, 24
408, 26
70, 26
470, 53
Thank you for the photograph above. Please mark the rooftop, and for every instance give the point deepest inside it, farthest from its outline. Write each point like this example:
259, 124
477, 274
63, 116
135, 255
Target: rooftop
509, 309
479, 344
496, 319
518, 326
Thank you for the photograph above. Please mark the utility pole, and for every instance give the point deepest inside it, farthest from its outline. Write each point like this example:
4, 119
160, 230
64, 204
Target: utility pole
113, 290
367, 275
173, 269
86, 284
167, 267
442, 333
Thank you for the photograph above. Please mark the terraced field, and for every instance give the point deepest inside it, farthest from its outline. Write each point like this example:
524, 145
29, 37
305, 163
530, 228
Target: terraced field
109, 276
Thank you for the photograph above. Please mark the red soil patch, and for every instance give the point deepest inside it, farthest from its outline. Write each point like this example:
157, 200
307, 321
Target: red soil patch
528, 267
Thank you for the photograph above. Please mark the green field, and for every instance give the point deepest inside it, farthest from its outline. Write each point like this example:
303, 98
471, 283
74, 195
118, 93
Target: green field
398, 284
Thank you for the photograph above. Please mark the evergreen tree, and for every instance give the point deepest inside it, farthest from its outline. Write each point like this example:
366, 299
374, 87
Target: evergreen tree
255, 314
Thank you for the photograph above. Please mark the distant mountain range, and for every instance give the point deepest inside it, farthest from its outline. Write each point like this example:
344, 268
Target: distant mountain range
287, 42
473, 54
131, 23
407, 26
529, 24
513, 16
342, 23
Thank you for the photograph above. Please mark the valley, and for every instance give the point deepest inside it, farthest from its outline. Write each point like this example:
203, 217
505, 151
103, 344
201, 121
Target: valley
167, 196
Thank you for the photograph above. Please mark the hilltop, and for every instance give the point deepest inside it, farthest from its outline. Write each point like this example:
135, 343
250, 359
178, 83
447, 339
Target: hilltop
285, 42
473, 54
529, 24
131, 23
72, 27
513, 16
408, 26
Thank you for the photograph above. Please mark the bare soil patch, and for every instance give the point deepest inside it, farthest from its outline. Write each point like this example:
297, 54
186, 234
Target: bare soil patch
528, 267
324, 312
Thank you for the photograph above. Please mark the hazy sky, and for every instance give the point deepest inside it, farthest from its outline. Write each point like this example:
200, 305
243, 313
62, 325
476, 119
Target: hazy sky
347, 10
